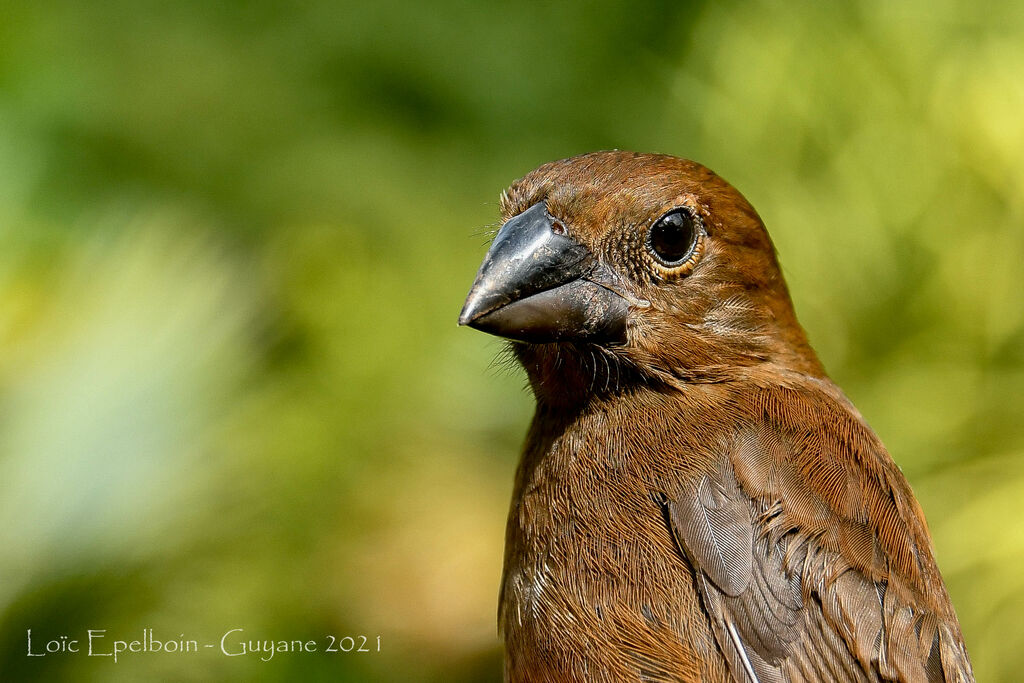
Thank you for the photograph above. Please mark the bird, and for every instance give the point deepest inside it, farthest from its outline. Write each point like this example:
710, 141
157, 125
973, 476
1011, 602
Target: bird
696, 499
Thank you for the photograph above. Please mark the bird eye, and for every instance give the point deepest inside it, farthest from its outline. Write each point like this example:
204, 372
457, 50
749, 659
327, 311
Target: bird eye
672, 238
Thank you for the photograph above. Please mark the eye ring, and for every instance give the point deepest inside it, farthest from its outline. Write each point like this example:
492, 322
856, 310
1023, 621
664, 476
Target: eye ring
675, 241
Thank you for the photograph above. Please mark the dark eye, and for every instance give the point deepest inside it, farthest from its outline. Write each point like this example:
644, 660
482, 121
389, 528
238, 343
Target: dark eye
672, 237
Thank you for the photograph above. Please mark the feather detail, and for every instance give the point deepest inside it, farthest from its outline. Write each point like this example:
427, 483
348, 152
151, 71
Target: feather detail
715, 528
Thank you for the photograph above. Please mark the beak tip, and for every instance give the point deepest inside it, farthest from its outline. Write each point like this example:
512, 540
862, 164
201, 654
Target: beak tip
469, 313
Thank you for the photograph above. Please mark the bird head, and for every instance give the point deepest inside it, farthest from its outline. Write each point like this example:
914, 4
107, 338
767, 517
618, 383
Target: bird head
614, 268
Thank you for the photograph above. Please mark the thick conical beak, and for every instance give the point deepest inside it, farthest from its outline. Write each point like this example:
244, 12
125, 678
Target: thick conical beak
538, 286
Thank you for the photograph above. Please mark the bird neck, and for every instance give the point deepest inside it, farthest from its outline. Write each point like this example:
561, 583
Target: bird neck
569, 376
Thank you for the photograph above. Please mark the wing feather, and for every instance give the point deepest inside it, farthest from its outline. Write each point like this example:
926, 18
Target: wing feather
812, 560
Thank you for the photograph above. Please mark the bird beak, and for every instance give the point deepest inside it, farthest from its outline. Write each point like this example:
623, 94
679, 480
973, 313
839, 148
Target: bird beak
538, 286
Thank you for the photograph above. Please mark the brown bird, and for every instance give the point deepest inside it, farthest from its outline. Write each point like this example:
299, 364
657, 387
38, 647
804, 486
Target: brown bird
696, 500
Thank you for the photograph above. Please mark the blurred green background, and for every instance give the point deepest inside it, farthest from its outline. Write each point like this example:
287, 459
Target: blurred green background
234, 239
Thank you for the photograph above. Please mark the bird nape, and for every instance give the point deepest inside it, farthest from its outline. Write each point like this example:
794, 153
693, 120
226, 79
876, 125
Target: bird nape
696, 500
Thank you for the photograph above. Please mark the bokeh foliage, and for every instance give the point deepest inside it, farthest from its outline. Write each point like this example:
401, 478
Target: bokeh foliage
234, 238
